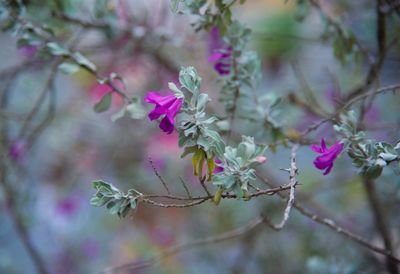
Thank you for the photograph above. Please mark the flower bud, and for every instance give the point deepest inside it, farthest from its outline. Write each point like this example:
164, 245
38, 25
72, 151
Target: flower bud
261, 159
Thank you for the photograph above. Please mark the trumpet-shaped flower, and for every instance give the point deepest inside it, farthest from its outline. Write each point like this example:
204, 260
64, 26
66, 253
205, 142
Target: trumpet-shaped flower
328, 155
168, 105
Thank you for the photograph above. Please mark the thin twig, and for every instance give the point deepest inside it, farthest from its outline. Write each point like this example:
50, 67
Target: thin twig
292, 183
185, 187
340, 230
159, 176
380, 222
315, 126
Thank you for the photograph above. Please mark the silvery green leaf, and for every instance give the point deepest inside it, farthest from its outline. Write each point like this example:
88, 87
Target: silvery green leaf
136, 110
189, 79
56, 49
238, 191
380, 162
387, 156
202, 101
113, 207
118, 115
83, 61
397, 145
178, 93
373, 172
223, 125
68, 68
210, 120
202, 141
174, 5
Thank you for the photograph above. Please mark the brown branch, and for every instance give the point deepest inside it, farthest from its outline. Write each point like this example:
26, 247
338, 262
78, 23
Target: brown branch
159, 176
39, 101
185, 187
375, 68
8, 192
290, 201
380, 223
196, 202
338, 229
349, 103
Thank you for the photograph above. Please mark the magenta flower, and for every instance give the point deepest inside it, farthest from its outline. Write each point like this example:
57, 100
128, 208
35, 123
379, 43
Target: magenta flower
168, 105
220, 53
218, 168
17, 150
329, 155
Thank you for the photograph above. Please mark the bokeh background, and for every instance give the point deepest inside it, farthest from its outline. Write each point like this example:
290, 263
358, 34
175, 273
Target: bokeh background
53, 178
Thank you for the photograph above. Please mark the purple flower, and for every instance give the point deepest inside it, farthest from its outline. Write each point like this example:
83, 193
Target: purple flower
17, 150
329, 155
220, 53
168, 105
218, 168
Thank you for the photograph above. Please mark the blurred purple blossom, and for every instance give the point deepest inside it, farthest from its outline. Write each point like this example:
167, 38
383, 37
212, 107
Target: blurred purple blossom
329, 155
17, 150
372, 114
162, 236
67, 206
28, 51
168, 105
90, 248
220, 53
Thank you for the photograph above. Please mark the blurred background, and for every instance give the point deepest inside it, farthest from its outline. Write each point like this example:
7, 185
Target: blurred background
147, 44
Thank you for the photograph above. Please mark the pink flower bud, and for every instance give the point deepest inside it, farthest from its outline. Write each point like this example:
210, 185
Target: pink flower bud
261, 159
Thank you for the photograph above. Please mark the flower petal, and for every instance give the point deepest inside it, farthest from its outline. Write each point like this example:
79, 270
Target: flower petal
316, 148
328, 169
222, 68
166, 125
156, 113
157, 99
216, 56
174, 109
323, 145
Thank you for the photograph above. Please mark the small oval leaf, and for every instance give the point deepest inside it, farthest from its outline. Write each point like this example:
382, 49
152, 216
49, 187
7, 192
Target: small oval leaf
104, 103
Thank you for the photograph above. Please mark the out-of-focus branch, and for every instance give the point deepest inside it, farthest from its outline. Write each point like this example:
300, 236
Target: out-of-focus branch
375, 68
8, 192
380, 223
232, 234
349, 103
39, 101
